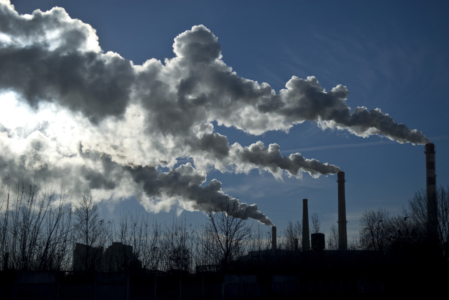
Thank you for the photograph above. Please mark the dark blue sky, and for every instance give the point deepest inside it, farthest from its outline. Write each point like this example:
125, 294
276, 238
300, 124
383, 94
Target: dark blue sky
391, 55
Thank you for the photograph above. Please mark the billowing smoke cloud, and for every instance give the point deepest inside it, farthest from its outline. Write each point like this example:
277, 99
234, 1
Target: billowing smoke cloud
144, 117
96, 171
185, 182
271, 160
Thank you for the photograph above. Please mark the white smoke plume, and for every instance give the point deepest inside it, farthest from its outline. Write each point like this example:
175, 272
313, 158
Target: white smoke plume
58, 90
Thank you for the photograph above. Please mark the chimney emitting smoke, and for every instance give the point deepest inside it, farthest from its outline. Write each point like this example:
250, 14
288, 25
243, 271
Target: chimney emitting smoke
432, 218
273, 238
342, 235
305, 226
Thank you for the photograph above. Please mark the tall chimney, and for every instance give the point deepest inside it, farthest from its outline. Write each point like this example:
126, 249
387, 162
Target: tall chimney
273, 238
342, 236
432, 217
305, 226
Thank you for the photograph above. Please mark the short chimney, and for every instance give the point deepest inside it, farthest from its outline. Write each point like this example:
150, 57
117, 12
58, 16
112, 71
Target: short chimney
342, 235
273, 238
432, 217
305, 226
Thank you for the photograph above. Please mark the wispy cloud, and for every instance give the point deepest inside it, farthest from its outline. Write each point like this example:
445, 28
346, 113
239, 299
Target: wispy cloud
378, 143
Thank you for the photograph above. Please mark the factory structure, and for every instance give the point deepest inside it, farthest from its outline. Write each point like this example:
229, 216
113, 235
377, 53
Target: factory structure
318, 242
312, 257
328, 271
116, 273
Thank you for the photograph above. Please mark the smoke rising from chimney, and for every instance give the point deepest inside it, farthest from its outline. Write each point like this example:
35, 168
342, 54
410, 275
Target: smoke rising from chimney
143, 117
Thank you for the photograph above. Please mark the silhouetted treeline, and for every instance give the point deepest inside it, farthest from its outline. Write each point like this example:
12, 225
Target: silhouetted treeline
382, 232
39, 231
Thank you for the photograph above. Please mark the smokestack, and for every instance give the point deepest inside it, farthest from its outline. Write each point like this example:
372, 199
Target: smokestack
273, 238
342, 236
432, 217
305, 226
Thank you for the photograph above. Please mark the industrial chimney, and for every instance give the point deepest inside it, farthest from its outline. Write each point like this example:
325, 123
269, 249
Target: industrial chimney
305, 226
342, 236
273, 238
432, 217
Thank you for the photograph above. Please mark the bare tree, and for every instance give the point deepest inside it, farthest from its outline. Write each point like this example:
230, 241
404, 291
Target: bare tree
315, 223
381, 232
258, 242
4, 247
293, 233
57, 237
355, 244
176, 246
90, 231
137, 231
35, 229
417, 210
151, 255
375, 230
133, 231
227, 235
417, 213
25, 226
180, 258
332, 241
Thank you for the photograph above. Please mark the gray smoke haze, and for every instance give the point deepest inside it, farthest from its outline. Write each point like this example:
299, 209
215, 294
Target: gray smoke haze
271, 160
67, 91
185, 182
195, 86
99, 172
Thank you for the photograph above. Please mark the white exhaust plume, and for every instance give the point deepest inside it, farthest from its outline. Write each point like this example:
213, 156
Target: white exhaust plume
141, 117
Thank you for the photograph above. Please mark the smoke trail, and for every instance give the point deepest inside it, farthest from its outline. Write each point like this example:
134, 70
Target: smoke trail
91, 171
184, 182
378, 143
57, 59
271, 160
68, 91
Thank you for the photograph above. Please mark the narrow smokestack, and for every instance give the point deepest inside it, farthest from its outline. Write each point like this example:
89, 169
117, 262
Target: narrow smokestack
342, 236
305, 226
273, 238
432, 217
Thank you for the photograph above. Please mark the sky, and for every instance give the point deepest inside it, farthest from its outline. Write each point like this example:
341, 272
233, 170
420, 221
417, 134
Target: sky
150, 105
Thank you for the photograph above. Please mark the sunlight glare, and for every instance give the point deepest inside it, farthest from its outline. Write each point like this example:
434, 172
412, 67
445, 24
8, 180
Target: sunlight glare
15, 114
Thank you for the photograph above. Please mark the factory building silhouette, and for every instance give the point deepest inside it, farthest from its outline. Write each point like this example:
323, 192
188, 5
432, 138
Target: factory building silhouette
116, 258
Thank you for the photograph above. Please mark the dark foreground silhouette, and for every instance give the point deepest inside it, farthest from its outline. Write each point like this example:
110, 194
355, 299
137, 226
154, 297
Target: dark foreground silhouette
258, 275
